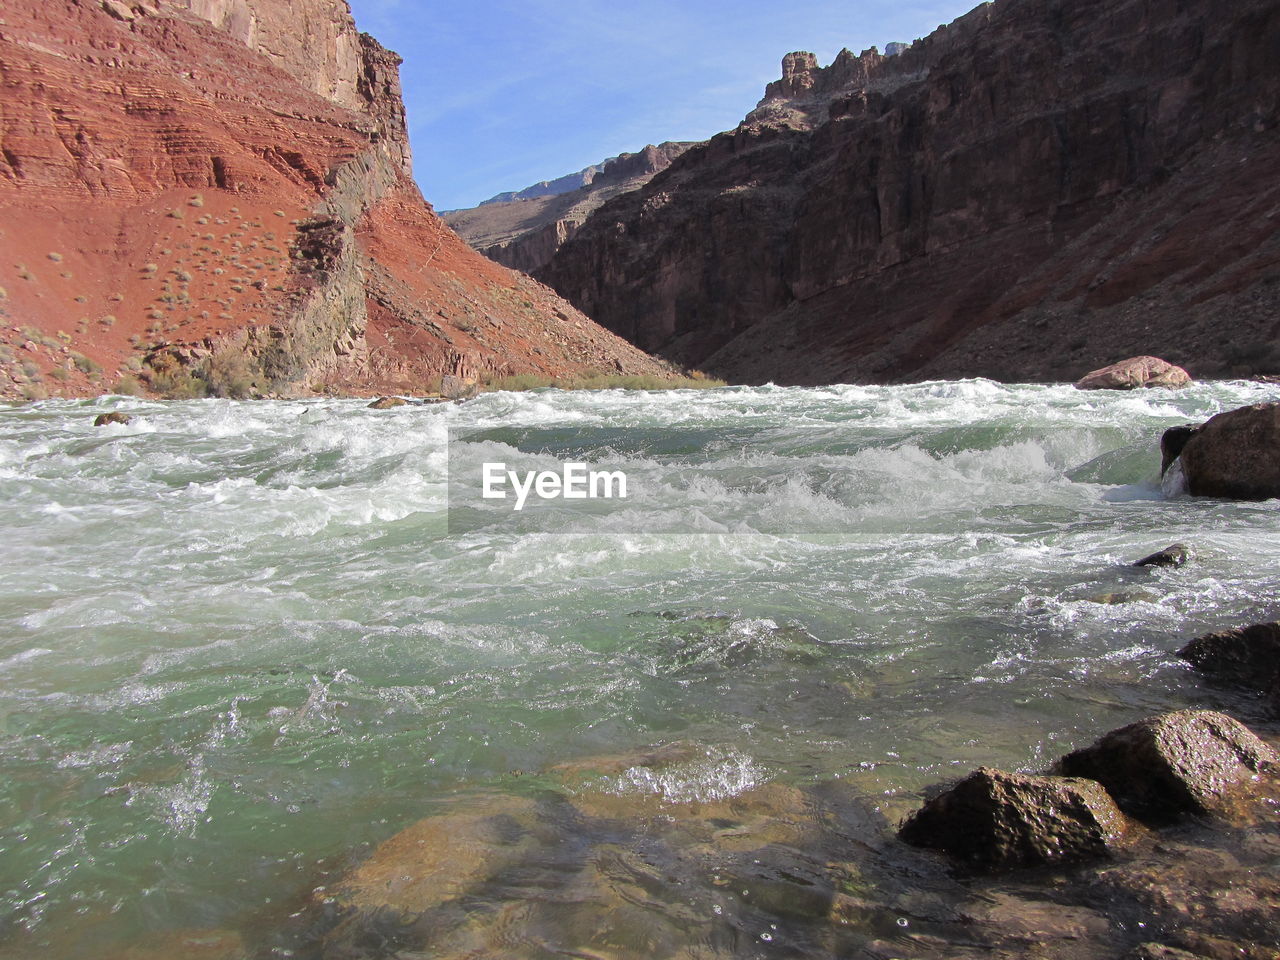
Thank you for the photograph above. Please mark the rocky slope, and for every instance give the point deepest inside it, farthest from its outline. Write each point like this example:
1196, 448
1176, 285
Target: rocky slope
217, 193
1036, 190
524, 230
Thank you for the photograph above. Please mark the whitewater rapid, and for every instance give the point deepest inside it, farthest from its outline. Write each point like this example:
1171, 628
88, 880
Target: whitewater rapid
241, 639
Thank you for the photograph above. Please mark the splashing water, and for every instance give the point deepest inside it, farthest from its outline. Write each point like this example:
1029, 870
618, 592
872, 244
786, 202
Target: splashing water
238, 643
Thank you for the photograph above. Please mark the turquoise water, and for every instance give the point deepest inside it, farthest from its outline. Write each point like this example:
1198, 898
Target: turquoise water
238, 646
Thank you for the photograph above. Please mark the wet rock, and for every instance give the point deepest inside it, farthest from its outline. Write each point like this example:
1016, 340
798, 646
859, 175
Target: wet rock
1235, 455
458, 388
997, 820
1174, 555
115, 416
1186, 762
1035, 921
386, 403
439, 858
1159, 951
1248, 657
1134, 373
1172, 442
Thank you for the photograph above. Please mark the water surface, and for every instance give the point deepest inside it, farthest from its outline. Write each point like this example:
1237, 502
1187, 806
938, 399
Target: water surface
238, 645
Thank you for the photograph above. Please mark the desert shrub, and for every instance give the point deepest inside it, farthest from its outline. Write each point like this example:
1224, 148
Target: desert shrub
109, 320
129, 386
55, 257
196, 201
85, 364
150, 268
229, 373
176, 214
59, 374
33, 392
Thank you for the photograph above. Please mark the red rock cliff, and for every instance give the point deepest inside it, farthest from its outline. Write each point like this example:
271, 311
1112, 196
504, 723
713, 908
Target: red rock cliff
1033, 191
223, 187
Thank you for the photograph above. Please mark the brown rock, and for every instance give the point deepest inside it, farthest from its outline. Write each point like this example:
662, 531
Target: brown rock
1235, 455
1248, 657
115, 416
1134, 373
457, 388
1174, 555
386, 403
996, 820
1172, 442
1187, 762
440, 858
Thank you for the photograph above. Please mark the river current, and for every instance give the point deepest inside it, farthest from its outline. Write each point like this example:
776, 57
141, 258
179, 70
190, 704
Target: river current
241, 644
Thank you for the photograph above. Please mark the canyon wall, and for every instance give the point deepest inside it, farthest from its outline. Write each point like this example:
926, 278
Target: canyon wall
523, 230
1039, 188
217, 194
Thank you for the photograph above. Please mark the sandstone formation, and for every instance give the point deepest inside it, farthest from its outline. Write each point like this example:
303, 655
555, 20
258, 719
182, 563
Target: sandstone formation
1248, 657
115, 416
387, 403
994, 819
1031, 191
1134, 373
1235, 455
1186, 762
524, 230
216, 194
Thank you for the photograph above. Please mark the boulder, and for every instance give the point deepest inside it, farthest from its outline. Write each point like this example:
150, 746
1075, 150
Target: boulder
998, 820
1189, 761
103, 419
1172, 442
1248, 657
458, 388
1133, 373
1174, 555
1235, 455
386, 403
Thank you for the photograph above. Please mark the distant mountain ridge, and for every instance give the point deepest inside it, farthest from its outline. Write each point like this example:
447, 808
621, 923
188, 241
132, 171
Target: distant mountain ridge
523, 229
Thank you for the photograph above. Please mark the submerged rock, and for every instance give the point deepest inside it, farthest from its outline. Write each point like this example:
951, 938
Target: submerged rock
440, 858
386, 403
1186, 762
1174, 555
1235, 455
115, 416
1248, 657
997, 820
186, 944
1134, 373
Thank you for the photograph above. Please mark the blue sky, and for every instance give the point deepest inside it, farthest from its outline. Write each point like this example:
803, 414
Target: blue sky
502, 93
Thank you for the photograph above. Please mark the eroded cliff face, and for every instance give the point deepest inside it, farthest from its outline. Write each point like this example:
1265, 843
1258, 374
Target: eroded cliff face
1029, 193
222, 188
524, 230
